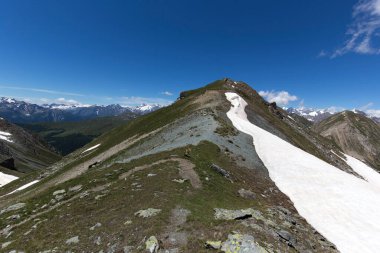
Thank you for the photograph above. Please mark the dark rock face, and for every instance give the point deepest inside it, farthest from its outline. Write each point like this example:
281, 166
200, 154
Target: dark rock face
9, 163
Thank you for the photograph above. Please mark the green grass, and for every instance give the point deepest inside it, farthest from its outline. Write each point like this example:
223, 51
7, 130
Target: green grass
66, 137
120, 203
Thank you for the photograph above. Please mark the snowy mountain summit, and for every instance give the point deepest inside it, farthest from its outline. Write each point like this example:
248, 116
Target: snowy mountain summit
317, 115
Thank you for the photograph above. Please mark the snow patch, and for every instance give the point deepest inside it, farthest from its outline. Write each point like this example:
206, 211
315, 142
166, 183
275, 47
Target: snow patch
291, 118
24, 186
343, 208
5, 136
91, 148
332, 151
5, 179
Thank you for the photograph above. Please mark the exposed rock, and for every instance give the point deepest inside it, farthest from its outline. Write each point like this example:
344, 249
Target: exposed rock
9, 163
213, 244
72, 240
247, 194
96, 226
59, 197
225, 214
98, 240
14, 217
5, 244
221, 171
75, 188
59, 192
13, 207
240, 243
181, 181
287, 237
147, 212
128, 249
128, 222
152, 245
151, 175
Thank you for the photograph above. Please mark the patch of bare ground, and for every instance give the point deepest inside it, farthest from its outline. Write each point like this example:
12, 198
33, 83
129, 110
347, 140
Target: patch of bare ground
186, 171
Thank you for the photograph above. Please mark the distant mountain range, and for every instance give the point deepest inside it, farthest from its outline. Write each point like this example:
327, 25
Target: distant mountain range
317, 115
18, 111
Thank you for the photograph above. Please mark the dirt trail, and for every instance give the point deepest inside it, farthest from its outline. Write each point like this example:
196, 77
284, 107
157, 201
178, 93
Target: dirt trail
186, 171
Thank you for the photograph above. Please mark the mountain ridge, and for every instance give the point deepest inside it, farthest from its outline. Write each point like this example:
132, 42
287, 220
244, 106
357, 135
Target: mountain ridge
23, 112
355, 133
184, 179
317, 115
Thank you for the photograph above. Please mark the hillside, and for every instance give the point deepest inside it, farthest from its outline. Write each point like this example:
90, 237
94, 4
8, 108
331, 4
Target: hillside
21, 151
66, 137
355, 134
212, 172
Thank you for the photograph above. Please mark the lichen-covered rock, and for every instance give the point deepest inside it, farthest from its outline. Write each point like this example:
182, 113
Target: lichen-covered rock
96, 226
148, 212
239, 243
14, 207
221, 171
5, 244
288, 237
59, 192
75, 188
213, 244
72, 240
181, 181
225, 214
151, 245
247, 194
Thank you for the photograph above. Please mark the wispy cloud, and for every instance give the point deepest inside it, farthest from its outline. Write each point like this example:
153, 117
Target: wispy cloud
369, 110
366, 107
364, 31
322, 54
373, 113
166, 93
41, 101
55, 92
335, 109
281, 98
133, 101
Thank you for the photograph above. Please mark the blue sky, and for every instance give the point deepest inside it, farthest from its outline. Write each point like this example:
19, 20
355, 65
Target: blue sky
325, 53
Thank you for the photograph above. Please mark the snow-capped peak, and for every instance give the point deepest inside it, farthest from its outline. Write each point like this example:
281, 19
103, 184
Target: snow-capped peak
310, 113
8, 100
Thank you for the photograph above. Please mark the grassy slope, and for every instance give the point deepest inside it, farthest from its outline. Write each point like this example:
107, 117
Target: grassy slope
114, 205
66, 137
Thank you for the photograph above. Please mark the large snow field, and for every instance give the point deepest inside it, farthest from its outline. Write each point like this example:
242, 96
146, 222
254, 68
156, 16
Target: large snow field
343, 208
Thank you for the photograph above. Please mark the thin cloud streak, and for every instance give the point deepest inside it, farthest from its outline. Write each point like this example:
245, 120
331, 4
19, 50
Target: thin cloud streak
134, 101
41, 90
